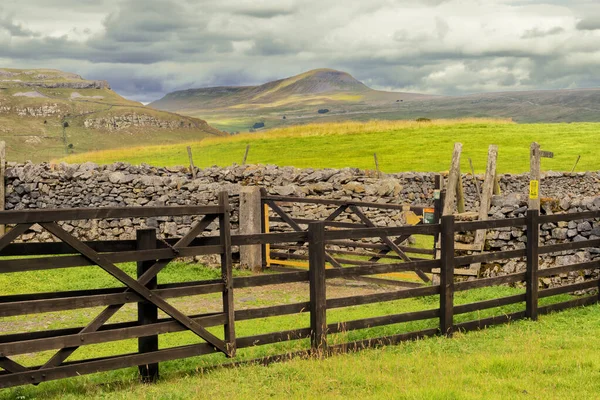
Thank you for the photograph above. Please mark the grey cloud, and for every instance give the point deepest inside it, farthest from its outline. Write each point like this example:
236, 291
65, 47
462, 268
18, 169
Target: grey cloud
589, 23
14, 29
539, 33
147, 48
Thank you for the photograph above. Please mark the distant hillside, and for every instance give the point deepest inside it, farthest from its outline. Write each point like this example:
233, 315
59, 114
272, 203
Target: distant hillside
312, 88
329, 95
47, 113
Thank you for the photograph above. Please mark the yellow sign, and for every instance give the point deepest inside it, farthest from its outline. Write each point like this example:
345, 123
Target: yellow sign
534, 189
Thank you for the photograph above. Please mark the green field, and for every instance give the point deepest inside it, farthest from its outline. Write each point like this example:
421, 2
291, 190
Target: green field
400, 146
546, 359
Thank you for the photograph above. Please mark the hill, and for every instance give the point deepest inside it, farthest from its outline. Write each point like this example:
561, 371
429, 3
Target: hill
400, 146
46, 113
298, 99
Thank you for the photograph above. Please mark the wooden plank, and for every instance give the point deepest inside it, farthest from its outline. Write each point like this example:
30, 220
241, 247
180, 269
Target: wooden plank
569, 216
447, 276
227, 274
488, 257
491, 321
362, 204
45, 263
531, 276
568, 288
361, 233
460, 195
486, 199
106, 364
306, 221
382, 297
375, 269
12, 234
458, 271
318, 296
68, 214
385, 282
383, 320
50, 302
567, 268
382, 341
559, 247
534, 175
489, 224
147, 312
486, 304
579, 302
485, 282
271, 279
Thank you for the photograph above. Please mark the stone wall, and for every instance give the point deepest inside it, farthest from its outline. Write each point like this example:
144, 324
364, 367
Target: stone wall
33, 186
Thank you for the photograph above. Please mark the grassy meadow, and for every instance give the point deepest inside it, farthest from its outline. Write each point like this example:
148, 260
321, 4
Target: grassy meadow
400, 146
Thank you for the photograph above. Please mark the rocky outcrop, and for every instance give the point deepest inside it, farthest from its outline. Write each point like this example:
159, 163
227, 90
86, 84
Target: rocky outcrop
124, 121
83, 84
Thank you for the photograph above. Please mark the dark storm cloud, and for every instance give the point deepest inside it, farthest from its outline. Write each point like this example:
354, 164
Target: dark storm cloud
148, 47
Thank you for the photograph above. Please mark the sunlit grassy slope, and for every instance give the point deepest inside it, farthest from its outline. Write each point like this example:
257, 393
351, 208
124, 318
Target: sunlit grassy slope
400, 146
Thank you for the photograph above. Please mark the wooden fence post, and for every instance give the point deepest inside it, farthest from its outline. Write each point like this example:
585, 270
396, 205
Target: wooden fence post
447, 276
251, 223
227, 274
3, 181
316, 272
147, 312
192, 167
531, 294
534, 177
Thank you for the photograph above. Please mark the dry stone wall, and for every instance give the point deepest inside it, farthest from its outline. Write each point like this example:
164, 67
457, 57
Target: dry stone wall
35, 186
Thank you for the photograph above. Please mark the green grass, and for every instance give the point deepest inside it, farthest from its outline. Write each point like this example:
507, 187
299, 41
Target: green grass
474, 365
400, 146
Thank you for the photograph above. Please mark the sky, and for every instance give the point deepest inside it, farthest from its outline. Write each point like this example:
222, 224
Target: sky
147, 48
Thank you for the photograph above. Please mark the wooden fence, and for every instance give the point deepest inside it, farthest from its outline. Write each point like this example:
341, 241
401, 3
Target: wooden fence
360, 251
153, 255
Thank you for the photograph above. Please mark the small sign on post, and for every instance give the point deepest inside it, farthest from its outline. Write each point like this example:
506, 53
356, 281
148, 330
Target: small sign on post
534, 189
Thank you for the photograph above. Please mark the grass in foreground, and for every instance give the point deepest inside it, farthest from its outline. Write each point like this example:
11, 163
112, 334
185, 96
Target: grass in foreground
549, 358
400, 146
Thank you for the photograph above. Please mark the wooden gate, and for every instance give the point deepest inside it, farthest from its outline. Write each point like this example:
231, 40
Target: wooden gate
360, 252
152, 256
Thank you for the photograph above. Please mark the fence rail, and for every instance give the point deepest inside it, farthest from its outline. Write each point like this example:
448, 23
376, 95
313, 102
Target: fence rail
153, 255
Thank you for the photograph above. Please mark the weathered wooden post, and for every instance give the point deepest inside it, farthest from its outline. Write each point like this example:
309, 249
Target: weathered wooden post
2, 179
534, 177
147, 312
227, 274
452, 184
485, 200
246, 154
250, 223
192, 167
316, 273
447, 276
531, 275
